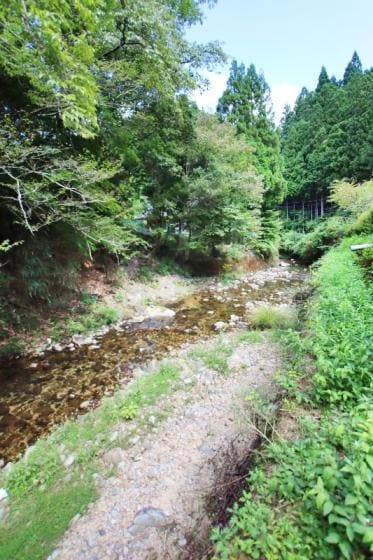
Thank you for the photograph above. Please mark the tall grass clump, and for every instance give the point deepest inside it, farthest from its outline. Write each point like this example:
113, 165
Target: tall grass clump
269, 317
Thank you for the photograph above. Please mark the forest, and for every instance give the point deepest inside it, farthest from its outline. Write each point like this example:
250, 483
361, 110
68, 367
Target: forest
103, 151
109, 168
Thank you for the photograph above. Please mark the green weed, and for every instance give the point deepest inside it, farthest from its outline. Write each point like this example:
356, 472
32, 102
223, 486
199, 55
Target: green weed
267, 317
37, 523
215, 357
42, 504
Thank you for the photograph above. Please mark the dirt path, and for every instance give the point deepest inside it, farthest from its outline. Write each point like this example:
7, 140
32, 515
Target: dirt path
155, 500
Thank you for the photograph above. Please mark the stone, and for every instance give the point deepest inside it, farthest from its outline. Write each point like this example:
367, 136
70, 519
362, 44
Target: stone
113, 456
220, 325
160, 313
235, 318
149, 517
69, 461
3, 494
84, 405
55, 554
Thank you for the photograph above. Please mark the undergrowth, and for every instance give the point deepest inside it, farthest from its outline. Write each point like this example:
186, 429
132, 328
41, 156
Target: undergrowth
269, 317
309, 497
44, 494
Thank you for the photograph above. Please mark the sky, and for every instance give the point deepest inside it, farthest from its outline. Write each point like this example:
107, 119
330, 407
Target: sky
288, 40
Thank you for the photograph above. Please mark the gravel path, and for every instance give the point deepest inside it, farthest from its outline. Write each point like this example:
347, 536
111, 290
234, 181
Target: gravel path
155, 501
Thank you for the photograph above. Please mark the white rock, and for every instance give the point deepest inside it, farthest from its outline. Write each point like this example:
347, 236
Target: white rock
160, 313
84, 405
3, 494
69, 461
220, 325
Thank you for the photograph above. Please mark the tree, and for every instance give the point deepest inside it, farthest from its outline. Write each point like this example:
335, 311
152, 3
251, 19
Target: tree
70, 80
328, 136
246, 103
323, 78
221, 183
353, 67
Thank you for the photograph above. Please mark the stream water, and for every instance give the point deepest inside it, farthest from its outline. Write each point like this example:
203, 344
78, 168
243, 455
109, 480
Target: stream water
40, 391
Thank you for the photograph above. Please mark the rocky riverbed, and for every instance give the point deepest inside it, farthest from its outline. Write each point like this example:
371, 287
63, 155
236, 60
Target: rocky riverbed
43, 389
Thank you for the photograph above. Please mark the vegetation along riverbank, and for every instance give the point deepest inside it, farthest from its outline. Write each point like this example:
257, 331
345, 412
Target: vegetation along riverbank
185, 294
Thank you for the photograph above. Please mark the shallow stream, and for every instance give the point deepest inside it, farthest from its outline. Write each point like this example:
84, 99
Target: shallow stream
40, 391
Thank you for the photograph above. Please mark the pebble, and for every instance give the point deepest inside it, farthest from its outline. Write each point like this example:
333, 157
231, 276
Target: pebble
219, 325
149, 517
114, 436
54, 554
84, 404
69, 461
3, 494
3, 513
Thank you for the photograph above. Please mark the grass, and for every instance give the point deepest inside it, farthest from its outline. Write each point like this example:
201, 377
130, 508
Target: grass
39, 520
42, 501
308, 497
45, 495
97, 316
215, 356
268, 317
250, 337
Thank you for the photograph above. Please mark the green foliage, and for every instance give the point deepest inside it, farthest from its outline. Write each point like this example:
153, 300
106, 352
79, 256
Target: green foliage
146, 390
91, 117
246, 103
340, 323
313, 244
267, 317
363, 224
35, 528
314, 502
98, 316
215, 357
129, 411
352, 197
327, 136
309, 497
12, 348
39, 469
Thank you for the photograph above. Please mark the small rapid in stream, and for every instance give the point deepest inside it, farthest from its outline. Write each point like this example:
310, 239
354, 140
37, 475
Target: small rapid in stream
40, 391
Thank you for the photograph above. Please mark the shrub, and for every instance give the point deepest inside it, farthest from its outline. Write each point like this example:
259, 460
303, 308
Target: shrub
340, 328
312, 245
363, 224
311, 498
267, 317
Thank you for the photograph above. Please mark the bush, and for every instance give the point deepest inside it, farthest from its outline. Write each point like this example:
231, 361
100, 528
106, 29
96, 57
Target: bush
340, 325
363, 224
267, 317
312, 245
311, 498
